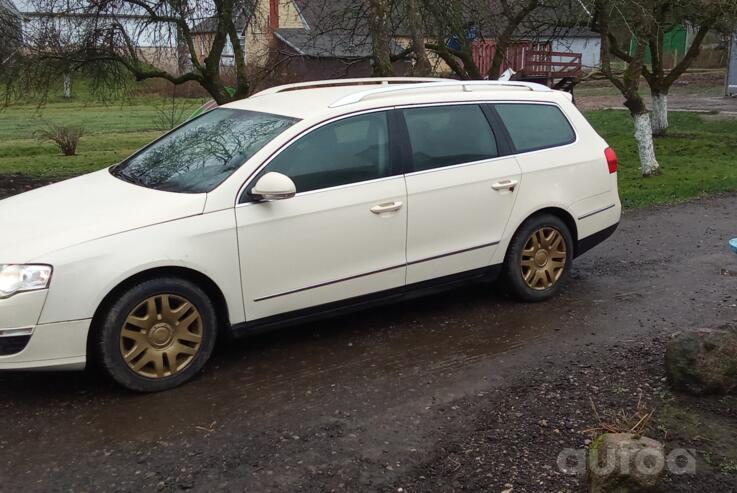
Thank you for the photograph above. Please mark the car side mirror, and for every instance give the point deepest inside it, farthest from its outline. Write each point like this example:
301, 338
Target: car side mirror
273, 186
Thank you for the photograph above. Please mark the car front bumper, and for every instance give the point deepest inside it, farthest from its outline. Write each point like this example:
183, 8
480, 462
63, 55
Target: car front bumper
57, 346
26, 344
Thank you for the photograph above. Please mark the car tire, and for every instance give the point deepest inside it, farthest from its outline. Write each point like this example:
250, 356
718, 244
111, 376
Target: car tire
538, 258
156, 335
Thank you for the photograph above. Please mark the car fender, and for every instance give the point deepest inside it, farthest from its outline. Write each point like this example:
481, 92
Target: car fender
520, 215
86, 273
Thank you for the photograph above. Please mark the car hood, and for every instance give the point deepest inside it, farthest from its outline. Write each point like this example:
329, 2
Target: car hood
82, 209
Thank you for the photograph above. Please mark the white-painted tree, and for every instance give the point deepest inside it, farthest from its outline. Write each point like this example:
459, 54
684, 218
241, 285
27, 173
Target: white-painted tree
635, 17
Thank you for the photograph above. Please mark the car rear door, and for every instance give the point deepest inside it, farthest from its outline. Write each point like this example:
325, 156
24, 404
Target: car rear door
343, 235
460, 189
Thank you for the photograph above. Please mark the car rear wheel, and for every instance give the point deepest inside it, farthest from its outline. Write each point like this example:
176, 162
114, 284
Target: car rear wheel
157, 335
539, 258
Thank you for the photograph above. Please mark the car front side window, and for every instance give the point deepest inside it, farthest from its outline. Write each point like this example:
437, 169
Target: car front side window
350, 150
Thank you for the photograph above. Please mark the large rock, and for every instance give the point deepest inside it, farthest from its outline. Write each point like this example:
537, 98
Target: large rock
624, 463
702, 361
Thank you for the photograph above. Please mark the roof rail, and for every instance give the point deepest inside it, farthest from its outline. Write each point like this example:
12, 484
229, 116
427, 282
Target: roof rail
465, 85
346, 82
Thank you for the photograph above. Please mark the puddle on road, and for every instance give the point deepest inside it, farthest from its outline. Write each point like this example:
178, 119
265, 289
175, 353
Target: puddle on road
378, 355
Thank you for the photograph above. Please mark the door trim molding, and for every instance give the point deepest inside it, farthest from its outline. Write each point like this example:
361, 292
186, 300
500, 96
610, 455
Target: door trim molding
328, 283
378, 271
455, 252
592, 213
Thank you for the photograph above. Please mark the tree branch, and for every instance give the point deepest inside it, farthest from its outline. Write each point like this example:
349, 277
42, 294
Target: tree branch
691, 54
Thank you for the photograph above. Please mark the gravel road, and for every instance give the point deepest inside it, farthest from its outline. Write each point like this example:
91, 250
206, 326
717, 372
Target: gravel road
370, 401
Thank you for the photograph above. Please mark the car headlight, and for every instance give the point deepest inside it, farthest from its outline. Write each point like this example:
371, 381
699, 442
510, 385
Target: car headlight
17, 278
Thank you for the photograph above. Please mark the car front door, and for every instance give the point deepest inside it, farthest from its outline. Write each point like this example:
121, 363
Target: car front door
461, 189
343, 235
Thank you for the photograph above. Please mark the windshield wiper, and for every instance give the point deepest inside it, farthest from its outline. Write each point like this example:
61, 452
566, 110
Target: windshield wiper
124, 176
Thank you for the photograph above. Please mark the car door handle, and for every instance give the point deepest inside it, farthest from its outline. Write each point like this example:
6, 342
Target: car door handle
505, 185
386, 207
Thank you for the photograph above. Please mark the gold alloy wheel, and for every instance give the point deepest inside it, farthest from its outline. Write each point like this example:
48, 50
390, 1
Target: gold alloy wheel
161, 336
543, 258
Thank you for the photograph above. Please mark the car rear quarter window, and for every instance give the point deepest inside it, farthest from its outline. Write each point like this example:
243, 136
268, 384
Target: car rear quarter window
535, 126
447, 135
351, 150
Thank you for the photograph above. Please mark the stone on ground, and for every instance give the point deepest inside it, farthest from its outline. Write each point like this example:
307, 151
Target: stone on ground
702, 361
624, 463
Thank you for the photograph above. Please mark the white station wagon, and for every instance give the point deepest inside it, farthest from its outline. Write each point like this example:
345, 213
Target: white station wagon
301, 201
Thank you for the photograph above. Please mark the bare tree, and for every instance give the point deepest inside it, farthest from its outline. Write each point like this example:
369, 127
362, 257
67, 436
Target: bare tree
450, 23
512, 18
417, 33
609, 17
700, 15
456, 25
378, 24
102, 39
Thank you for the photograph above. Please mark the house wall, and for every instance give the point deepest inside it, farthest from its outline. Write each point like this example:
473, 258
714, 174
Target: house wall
258, 39
304, 69
202, 43
162, 57
590, 49
440, 68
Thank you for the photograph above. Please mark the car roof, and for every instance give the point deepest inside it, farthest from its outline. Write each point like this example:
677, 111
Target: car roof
334, 97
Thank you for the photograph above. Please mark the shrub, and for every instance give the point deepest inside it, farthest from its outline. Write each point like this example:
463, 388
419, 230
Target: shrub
65, 136
171, 113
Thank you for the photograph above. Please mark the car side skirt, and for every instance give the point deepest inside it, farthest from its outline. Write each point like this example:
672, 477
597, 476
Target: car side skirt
586, 244
364, 302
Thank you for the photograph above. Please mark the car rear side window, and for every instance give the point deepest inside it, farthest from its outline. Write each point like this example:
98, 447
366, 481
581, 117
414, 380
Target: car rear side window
535, 126
447, 135
351, 150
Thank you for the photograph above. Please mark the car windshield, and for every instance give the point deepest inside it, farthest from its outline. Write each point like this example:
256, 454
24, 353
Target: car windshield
200, 154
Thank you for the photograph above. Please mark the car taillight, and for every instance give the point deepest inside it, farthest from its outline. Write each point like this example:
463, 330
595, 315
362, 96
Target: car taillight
611, 159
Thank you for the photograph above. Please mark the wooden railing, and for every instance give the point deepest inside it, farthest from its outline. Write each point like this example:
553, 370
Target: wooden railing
552, 64
531, 59
514, 55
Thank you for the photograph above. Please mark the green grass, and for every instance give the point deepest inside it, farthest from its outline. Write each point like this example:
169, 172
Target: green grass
698, 158
112, 133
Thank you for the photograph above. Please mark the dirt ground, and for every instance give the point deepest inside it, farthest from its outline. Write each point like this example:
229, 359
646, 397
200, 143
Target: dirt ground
694, 91
463, 391
18, 183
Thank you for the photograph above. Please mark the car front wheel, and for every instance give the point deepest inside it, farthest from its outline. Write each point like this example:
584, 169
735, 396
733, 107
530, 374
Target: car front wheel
157, 335
538, 258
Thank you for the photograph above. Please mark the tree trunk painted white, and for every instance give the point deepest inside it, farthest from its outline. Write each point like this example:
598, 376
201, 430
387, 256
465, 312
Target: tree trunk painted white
644, 137
660, 114
67, 86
